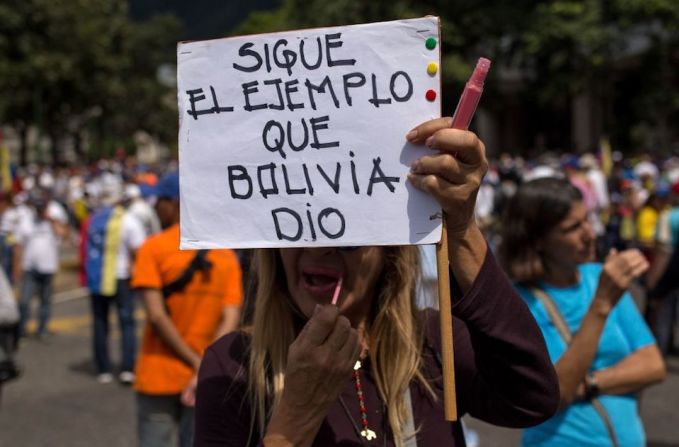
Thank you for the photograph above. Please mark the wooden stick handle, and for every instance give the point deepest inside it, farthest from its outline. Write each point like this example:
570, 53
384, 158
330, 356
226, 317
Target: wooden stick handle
445, 312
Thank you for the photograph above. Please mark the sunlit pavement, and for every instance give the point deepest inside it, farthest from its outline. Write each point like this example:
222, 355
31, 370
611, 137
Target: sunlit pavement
57, 401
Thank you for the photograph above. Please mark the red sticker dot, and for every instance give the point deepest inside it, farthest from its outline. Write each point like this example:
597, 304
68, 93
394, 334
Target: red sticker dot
430, 95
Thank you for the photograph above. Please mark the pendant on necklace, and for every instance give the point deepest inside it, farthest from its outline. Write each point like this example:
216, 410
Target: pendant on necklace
368, 434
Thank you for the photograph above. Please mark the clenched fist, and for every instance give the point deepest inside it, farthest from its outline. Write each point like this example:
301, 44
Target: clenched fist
454, 171
619, 270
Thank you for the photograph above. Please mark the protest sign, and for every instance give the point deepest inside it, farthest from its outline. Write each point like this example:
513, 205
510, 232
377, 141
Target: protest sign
298, 138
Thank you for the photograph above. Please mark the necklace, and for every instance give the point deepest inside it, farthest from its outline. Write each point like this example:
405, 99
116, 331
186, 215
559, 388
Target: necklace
366, 432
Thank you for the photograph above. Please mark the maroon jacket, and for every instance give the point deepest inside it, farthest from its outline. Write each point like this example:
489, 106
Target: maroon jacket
502, 371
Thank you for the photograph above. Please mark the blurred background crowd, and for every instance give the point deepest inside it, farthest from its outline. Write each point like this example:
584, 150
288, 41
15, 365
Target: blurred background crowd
633, 201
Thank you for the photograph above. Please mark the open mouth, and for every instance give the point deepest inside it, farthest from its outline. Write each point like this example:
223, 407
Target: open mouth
320, 282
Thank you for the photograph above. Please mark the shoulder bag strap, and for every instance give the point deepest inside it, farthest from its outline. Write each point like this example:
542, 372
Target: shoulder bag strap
554, 314
567, 336
199, 262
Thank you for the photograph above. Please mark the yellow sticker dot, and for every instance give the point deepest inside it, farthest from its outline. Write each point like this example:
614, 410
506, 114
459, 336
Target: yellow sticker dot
432, 68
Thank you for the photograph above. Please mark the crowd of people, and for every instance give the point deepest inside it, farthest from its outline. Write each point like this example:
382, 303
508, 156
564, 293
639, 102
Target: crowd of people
546, 219
124, 220
630, 203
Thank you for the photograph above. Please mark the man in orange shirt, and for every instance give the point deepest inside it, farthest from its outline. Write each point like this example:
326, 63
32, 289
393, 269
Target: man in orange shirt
182, 320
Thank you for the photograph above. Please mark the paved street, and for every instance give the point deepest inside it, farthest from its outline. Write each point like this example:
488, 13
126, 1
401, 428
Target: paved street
57, 402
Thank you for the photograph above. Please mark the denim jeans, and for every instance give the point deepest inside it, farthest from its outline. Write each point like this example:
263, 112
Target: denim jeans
31, 282
124, 302
160, 417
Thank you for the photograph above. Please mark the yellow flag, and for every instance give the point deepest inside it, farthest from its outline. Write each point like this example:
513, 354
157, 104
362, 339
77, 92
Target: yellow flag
606, 156
5, 171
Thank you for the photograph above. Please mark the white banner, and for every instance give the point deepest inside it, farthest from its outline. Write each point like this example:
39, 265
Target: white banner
297, 139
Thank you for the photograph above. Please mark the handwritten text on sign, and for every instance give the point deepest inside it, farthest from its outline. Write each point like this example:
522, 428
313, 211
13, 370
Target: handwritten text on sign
298, 138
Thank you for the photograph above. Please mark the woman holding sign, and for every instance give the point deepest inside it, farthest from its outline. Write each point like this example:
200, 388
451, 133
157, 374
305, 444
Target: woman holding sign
367, 371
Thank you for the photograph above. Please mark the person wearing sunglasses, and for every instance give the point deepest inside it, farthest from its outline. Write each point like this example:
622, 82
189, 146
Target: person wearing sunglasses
367, 370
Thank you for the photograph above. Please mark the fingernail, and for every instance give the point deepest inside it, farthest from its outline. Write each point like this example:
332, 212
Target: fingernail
411, 135
317, 308
430, 141
415, 166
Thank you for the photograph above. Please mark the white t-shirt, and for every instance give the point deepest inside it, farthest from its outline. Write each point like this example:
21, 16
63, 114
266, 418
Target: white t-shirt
12, 218
132, 235
600, 187
146, 215
39, 241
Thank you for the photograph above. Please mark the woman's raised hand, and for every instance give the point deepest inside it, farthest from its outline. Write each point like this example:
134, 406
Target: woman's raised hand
453, 172
619, 270
320, 361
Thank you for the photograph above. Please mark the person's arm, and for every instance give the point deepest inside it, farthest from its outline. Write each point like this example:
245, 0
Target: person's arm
60, 228
229, 322
466, 253
165, 328
320, 361
638, 370
576, 361
617, 274
135, 235
223, 413
503, 373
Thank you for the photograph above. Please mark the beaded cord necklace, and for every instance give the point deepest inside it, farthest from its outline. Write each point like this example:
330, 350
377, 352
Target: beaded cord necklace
363, 432
366, 432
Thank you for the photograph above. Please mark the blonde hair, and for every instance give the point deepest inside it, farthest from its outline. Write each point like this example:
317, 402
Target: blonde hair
396, 336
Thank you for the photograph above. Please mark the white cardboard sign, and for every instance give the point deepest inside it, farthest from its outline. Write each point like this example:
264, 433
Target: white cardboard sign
297, 139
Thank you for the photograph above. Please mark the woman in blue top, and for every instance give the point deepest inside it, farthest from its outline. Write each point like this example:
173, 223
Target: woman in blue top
547, 248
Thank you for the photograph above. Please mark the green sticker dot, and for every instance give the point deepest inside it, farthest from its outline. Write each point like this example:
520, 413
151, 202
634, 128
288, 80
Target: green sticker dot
430, 43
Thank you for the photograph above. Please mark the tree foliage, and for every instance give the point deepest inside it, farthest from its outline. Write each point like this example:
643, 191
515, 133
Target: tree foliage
76, 68
561, 48
67, 66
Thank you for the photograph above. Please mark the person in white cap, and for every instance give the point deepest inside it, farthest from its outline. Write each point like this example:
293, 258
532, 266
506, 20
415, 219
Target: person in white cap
141, 209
